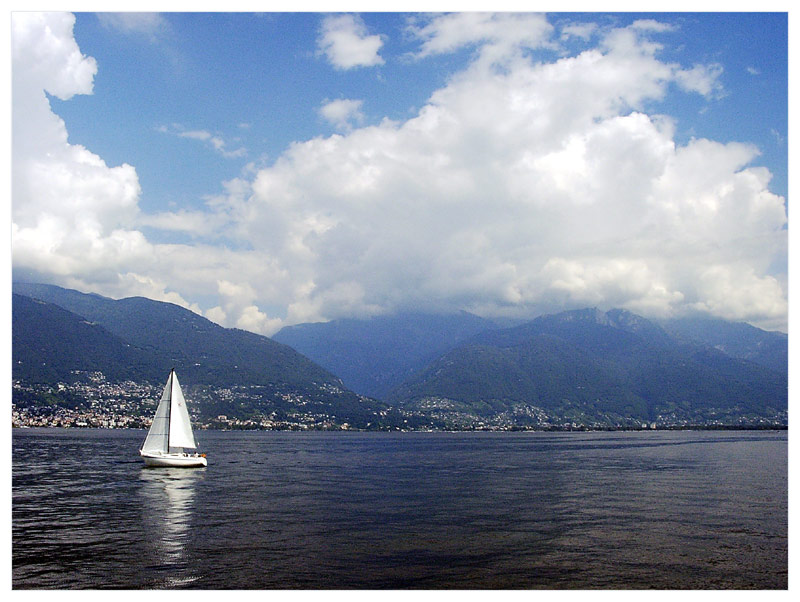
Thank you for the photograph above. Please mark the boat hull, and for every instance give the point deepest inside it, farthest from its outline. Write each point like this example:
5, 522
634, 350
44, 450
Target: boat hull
174, 460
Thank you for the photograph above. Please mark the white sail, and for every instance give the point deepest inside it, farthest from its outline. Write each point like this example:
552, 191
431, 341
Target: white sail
171, 427
180, 429
158, 436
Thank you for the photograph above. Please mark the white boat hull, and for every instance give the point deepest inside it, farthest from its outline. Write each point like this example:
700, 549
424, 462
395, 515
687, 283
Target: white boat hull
174, 460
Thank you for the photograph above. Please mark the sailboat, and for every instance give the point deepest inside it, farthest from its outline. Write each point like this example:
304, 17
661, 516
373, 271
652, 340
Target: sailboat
171, 431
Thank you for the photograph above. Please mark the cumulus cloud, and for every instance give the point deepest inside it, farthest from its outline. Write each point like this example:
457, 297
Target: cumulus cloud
520, 186
538, 185
238, 300
703, 79
342, 113
345, 41
70, 209
74, 218
498, 35
583, 31
199, 224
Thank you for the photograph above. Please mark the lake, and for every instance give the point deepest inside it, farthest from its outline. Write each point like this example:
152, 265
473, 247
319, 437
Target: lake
324, 510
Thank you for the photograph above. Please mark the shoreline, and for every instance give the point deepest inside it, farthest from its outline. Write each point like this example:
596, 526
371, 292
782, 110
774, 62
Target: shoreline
775, 427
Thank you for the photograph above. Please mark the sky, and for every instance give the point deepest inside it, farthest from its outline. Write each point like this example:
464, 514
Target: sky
271, 169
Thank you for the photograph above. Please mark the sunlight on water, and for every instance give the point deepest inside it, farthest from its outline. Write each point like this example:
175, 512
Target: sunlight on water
167, 513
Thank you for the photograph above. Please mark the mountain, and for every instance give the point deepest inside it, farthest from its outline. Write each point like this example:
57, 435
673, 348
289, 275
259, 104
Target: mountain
737, 339
202, 349
587, 366
49, 343
375, 355
158, 336
600, 367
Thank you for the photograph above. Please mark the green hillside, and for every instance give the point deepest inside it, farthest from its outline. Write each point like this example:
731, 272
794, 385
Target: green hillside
50, 344
141, 339
600, 365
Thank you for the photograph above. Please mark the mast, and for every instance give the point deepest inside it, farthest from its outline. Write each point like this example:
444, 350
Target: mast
169, 405
159, 433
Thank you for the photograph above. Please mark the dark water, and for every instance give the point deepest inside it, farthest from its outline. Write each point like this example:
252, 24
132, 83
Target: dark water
423, 510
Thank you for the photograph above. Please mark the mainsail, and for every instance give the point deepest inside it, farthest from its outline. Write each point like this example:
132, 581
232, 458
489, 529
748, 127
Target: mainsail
171, 427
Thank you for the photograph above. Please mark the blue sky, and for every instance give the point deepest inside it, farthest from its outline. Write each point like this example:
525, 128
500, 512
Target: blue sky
269, 169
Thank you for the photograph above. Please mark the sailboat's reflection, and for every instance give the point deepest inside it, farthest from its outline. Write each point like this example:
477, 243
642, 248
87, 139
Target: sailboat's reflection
168, 496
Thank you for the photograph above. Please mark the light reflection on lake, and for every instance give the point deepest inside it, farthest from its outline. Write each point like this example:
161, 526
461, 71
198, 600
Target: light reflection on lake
168, 510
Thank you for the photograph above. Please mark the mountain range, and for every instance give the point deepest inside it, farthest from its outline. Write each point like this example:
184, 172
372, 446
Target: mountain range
737, 339
57, 332
586, 366
600, 367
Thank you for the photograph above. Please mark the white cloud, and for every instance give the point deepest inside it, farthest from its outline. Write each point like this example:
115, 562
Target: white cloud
343, 113
71, 212
528, 187
201, 224
216, 142
238, 300
151, 287
345, 41
651, 25
47, 57
74, 218
149, 24
700, 78
583, 31
498, 35
703, 79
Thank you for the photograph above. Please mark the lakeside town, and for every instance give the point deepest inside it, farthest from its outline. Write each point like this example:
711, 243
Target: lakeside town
93, 402
97, 403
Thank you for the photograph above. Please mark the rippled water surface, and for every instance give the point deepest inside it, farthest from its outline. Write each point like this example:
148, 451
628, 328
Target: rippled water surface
408, 510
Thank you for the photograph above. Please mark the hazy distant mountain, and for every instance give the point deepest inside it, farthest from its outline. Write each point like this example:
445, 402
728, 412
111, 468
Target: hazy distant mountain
166, 336
594, 364
770, 349
374, 355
